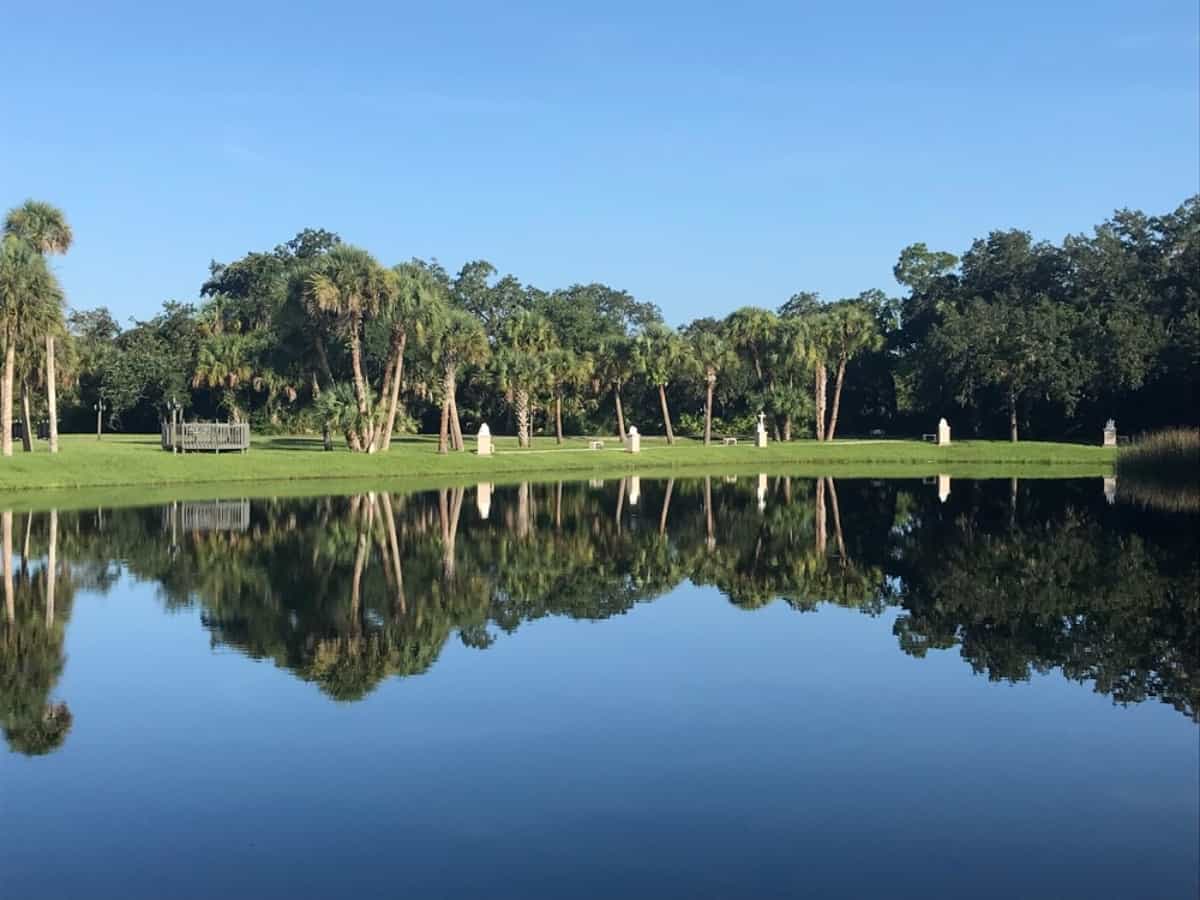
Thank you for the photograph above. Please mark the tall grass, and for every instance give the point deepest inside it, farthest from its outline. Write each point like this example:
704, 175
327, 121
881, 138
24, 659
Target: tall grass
1162, 470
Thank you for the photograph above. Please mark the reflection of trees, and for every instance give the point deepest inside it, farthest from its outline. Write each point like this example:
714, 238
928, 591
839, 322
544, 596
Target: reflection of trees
1057, 588
348, 591
37, 605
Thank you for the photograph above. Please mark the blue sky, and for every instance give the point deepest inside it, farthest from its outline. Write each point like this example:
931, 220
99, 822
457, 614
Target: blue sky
700, 157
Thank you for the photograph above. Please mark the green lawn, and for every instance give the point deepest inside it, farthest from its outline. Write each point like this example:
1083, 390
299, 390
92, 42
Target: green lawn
133, 465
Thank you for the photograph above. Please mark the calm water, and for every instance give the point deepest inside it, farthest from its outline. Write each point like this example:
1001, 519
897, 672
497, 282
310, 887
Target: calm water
697, 688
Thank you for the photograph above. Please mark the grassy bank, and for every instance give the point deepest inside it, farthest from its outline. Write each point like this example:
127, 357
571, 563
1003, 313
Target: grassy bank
138, 462
1162, 470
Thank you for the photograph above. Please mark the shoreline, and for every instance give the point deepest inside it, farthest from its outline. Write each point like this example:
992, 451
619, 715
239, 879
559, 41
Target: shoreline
134, 468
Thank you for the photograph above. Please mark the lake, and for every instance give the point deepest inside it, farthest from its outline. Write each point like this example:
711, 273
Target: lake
702, 687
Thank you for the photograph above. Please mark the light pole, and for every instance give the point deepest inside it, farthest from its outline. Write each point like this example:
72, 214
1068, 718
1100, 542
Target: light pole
176, 409
99, 406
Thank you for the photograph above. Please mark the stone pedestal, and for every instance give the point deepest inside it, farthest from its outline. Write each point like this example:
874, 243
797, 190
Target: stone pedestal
943, 433
760, 432
483, 439
483, 499
633, 441
1110, 433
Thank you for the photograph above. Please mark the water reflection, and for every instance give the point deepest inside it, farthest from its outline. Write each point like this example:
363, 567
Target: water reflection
347, 591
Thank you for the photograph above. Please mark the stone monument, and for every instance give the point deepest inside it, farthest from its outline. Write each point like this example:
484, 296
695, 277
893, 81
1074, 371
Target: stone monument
484, 440
633, 441
760, 433
483, 499
1110, 489
943, 482
762, 491
1110, 433
635, 490
943, 433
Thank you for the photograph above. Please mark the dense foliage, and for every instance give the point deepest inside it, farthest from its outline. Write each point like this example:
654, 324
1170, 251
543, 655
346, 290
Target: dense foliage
1015, 337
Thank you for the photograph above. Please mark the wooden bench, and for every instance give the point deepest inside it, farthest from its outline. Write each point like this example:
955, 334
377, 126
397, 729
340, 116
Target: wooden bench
729, 441
931, 438
595, 445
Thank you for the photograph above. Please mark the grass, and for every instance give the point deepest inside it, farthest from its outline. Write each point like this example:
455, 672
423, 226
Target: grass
1162, 470
136, 466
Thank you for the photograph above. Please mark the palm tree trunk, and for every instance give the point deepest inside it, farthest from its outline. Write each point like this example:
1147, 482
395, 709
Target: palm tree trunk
6, 398
27, 418
1012, 416
523, 418
456, 435
787, 427
360, 391
51, 567
620, 415
322, 362
822, 376
558, 432
444, 431
51, 394
394, 397
662, 399
708, 399
837, 400
558, 506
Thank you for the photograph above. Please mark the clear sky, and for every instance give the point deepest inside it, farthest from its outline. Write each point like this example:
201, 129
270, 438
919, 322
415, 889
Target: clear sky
703, 157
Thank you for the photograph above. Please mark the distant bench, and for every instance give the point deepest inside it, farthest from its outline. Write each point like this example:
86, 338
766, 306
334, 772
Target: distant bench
729, 441
595, 445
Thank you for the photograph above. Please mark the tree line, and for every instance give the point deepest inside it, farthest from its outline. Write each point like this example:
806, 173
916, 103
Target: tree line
1014, 336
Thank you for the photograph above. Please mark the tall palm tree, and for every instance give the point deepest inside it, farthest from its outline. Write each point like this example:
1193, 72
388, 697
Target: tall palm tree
414, 306
852, 330
352, 287
525, 341
27, 290
566, 369
45, 228
713, 354
614, 369
460, 341
660, 355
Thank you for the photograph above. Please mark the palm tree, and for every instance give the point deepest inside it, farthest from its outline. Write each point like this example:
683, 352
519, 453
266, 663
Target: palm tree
712, 353
852, 330
223, 365
660, 355
525, 341
819, 336
614, 368
460, 340
27, 291
45, 228
351, 286
413, 307
566, 369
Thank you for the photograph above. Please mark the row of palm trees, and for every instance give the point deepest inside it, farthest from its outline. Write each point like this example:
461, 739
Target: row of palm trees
31, 314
